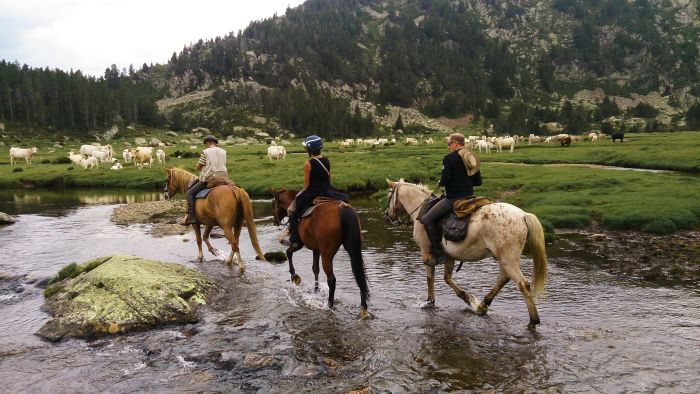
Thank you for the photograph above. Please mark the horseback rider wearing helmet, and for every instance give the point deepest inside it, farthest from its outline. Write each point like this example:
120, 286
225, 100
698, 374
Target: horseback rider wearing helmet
317, 183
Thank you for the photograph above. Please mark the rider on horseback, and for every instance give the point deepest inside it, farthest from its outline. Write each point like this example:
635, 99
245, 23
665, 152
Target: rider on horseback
212, 163
459, 182
317, 183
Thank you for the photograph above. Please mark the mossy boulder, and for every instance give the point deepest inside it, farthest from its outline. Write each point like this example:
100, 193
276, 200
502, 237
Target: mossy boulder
122, 293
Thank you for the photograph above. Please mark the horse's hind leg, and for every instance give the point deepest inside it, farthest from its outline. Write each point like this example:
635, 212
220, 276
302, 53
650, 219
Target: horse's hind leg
207, 231
328, 270
198, 235
466, 297
316, 268
501, 281
235, 253
513, 271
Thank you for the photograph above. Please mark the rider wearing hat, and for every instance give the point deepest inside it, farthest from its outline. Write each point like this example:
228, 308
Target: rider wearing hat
211, 163
460, 173
317, 183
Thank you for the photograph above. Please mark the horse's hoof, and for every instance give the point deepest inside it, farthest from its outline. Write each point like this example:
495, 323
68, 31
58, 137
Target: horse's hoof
365, 315
482, 309
428, 304
533, 324
317, 288
296, 279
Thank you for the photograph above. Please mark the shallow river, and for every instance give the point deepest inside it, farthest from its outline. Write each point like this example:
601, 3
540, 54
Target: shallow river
600, 333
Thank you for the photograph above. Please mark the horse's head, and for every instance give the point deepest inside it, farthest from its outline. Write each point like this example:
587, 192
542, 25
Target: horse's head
170, 188
281, 200
394, 206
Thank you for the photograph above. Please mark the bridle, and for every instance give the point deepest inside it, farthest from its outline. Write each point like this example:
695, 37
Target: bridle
166, 192
392, 204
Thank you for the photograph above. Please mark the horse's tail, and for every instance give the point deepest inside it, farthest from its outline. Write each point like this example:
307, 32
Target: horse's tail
247, 208
535, 238
352, 242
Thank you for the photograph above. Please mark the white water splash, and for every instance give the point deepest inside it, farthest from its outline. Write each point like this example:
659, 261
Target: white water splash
184, 363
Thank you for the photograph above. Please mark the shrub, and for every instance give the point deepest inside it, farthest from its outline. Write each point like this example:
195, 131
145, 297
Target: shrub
659, 226
62, 160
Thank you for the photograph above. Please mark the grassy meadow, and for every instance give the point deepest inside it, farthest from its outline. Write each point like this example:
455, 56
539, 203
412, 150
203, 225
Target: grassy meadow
562, 196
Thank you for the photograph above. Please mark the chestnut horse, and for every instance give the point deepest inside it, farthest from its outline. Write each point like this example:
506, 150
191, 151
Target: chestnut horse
331, 224
226, 207
498, 229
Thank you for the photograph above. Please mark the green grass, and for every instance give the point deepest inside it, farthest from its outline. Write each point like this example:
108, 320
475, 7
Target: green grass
562, 196
70, 271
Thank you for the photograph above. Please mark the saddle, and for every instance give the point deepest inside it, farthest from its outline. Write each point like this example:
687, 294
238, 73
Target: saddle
320, 201
211, 184
455, 225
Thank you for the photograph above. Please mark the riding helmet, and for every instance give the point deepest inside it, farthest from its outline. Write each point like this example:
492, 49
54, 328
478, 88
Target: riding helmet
313, 142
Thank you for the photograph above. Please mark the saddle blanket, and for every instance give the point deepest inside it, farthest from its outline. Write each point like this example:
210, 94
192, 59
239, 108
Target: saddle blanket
204, 193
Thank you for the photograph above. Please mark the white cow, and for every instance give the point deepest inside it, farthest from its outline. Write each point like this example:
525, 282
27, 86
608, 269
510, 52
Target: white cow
90, 162
126, 154
276, 152
533, 139
86, 150
349, 142
116, 166
102, 157
486, 145
505, 142
161, 156
143, 155
76, 159
429, 141
411, 141
22, 153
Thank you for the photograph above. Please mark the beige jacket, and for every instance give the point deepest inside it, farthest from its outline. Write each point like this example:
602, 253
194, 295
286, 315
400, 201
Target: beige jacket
214, 161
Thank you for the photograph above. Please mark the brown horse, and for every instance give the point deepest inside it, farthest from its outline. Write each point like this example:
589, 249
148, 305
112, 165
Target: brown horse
226, 207
331, 224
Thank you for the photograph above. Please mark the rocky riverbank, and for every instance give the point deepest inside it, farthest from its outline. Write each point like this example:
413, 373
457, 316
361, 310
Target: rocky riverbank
164, 216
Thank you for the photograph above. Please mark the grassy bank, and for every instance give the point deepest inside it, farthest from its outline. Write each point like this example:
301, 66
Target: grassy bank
571, 197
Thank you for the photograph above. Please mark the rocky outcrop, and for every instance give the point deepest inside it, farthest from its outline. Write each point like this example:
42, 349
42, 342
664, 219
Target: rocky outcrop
6, 219
123, 293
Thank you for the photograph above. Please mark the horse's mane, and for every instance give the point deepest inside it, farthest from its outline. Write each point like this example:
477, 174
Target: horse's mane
181, 177
418, 186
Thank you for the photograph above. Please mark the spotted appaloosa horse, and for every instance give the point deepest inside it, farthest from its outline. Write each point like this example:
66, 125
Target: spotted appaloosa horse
331, 224
225, 206
499, 229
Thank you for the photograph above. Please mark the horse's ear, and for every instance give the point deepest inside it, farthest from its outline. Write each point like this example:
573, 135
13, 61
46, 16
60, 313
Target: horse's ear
272, 190
390, 183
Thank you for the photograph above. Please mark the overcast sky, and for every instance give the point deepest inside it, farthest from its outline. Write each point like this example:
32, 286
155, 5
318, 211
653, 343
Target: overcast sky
90, 35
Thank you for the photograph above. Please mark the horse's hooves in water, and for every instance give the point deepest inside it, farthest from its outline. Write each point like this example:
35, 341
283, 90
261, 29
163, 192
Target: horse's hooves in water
317, 288
365, 315
296, 279
481, 310
428, 305
533, 324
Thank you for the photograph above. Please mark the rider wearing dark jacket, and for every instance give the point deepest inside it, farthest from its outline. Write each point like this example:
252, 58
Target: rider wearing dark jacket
317, 183
458, 184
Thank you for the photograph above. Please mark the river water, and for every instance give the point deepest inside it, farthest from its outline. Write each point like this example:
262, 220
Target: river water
599, 332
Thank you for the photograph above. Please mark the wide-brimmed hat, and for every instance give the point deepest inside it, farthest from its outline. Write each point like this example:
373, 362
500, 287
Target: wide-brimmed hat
211, 138
471, 161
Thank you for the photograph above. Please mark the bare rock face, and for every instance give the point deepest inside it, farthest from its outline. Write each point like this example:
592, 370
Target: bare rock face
122, 293
140, 141
6, 219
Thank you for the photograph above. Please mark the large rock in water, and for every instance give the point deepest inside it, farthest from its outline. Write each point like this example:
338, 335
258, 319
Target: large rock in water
123, 293
6, 219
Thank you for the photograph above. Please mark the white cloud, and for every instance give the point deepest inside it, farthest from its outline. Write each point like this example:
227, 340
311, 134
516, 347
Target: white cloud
90, 35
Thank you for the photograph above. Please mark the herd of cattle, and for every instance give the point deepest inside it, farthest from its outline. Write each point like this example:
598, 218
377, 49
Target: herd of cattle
91, 156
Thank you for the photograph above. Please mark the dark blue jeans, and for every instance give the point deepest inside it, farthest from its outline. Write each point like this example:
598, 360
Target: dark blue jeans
192, 193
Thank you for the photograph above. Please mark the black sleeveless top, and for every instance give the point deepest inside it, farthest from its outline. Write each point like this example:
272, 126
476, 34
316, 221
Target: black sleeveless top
319, 179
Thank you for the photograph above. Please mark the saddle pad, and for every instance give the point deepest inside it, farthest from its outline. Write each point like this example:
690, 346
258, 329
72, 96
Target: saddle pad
203, 194
465, 206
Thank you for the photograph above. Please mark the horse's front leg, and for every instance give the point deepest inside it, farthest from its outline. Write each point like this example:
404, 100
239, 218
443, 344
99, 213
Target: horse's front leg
466, 297
296, 279
207, 231
198, 235
316, 269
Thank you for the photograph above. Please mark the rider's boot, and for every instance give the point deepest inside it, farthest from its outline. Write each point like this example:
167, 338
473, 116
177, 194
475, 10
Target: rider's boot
190, 218
294, 239
438, 255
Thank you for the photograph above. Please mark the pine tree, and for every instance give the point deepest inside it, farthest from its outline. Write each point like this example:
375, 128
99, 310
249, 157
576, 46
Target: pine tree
399, 123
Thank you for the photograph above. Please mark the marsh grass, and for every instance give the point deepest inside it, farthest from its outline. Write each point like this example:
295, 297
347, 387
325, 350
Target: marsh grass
561, 196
